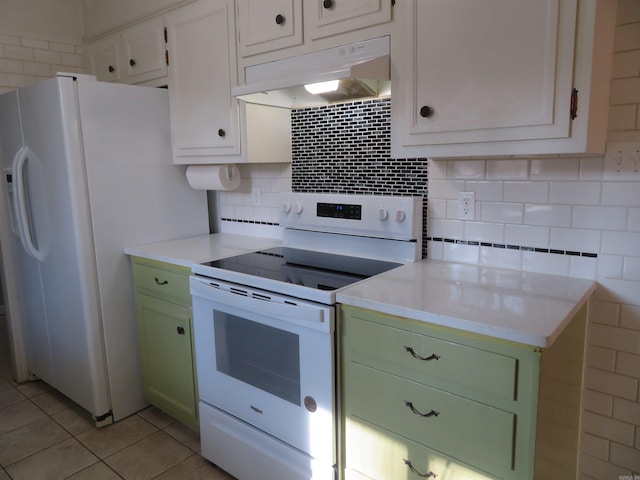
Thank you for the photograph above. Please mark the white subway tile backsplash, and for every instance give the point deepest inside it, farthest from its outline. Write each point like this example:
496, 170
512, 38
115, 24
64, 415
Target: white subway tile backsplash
526, 235
626, 457
11, 66
575, 193
501, 212
627, 37
605, 313
545, 263
453, 252
484, 232
435, 250
598, 402
622, 117
466, 169
583, 267
625, 91
601, 218
445, 189
618, 290
621, 243
507, 169
486, 191
602, 358
591, 168
631, 270
626, 64
40, 69
626, 411
445, 228
547, 214
604, 427
63, 47
624, 194
47, 56
610, 266
628, 364
592, 468
554, 169
437, 169
526, 192
501, 257
437, 208
595, 446
621, 339
630, 318
574, 239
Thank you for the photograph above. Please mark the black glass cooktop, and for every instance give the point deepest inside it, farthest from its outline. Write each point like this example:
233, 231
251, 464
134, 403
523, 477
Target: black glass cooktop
324, 271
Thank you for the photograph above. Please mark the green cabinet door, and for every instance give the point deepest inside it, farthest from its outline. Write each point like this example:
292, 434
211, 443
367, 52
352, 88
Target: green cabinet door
168, 361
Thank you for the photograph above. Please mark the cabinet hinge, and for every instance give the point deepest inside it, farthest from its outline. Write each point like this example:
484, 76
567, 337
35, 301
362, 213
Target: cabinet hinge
166, 36
166, 57
574, 104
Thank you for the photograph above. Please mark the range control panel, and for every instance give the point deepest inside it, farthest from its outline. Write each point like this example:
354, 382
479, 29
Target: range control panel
365, 215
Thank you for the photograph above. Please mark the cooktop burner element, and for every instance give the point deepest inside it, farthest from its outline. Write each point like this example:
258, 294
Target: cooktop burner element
319, 270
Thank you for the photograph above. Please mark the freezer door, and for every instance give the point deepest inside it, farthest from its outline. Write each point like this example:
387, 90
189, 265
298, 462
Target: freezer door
59, 213
22, 280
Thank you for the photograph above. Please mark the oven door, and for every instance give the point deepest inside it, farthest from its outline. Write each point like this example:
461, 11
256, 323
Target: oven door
267, 360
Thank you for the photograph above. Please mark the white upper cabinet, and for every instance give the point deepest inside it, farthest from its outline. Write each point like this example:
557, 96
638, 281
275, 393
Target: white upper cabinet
500, 77
104, 58
324, 18
267, 26
135, 55
144, 51
202, 70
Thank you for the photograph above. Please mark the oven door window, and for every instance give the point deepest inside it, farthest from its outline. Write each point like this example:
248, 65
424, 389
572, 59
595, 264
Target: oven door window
259, 355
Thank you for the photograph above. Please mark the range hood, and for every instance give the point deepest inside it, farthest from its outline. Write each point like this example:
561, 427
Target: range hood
362, 69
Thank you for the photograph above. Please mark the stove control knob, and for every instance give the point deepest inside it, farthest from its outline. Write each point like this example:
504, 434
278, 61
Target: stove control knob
383, 214
297, 207
286, 207
400, 216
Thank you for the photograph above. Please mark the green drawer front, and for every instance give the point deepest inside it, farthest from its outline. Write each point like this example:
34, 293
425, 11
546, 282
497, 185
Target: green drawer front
470, 369
374, 453
476, 433
164, 281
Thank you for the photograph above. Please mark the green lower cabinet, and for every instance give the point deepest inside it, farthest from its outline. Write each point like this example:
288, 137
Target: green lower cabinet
166, 349
165, 333
420, 401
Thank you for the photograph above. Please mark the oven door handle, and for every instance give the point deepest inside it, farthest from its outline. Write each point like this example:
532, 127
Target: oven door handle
282, 311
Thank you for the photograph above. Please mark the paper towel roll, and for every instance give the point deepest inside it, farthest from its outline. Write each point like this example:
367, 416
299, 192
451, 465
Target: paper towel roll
213, 177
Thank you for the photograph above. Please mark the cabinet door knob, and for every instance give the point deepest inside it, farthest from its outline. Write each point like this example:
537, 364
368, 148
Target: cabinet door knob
416, 472
280, 19
111, 69
221, 132
180, 330
132, 62
426, 111
413, 353
327, 3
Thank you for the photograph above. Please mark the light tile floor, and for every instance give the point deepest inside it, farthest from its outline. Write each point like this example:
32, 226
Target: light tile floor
44, 435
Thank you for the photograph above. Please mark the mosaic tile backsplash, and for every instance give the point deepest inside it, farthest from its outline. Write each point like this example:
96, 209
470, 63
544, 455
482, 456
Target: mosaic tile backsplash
346, 149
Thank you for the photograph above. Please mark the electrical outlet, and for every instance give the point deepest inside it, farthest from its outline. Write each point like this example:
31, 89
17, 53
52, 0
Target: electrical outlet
256, 195
622, 161
466, 205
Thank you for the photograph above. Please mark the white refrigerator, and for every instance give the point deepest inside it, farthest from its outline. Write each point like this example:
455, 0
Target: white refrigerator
86, 170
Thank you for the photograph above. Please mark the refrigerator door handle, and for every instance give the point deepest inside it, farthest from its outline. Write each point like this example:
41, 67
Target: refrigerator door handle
22, 214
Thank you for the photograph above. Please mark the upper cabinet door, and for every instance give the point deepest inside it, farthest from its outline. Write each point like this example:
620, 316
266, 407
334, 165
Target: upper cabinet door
480, 78
144, 51
104, 59
332, 17
267, 26
202, 70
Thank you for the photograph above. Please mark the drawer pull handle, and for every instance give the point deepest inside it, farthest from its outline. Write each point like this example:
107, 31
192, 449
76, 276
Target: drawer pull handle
429, 474
433, 356
158, 282
430, 413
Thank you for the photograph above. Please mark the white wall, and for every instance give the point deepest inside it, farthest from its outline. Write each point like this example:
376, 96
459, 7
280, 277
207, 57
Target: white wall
567, 204
52, 20
37, 39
